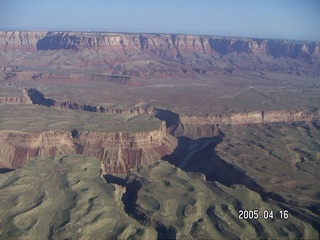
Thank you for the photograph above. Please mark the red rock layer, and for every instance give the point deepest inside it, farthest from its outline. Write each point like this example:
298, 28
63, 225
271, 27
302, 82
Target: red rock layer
118, 152
169, 45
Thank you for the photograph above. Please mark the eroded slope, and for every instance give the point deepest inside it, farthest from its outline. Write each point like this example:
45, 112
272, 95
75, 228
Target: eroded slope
183, 205
64, 197
284, 158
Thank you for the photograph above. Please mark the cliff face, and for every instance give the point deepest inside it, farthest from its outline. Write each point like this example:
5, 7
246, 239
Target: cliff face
156, 44
172, 119
257, 117
161, 45
118, 152
36, 97
190, 126
196, 127
148, 55
174, 45
23, 41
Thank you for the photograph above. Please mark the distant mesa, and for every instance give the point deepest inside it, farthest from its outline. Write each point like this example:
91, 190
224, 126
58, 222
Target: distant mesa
124, 56
155, 44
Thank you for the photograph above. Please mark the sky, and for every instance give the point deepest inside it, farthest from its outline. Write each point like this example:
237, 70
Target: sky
285, 19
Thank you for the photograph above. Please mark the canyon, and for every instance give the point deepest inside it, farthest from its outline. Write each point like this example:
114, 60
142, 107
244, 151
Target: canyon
221, 123
121, 151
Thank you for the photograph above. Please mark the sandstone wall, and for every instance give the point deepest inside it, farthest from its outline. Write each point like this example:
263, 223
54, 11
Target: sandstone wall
255, 117
169, 45
24, 41
118, 151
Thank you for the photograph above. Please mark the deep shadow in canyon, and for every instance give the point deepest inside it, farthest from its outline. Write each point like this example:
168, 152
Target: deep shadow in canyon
143, 216
129, 199
172, 119
214, 168
207, 162
5, 170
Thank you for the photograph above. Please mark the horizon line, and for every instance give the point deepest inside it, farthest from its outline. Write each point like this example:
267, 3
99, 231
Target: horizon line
160, 33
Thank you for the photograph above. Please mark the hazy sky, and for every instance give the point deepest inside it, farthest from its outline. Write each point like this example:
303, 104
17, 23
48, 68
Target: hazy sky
290, 19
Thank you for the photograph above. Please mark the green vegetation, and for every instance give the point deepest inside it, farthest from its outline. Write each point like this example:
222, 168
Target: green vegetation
63, 197
198, 209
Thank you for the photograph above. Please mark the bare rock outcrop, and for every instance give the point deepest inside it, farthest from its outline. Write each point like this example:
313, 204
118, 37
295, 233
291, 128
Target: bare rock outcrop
118, 152
255, 117
167, 46
172, 44
120, 58
23, 41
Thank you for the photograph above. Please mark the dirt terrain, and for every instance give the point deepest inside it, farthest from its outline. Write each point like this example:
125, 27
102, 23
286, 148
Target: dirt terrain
226, 124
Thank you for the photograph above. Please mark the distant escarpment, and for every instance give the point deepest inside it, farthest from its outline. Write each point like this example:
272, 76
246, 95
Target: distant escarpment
23, 41
148, 55
255, 117
118, 152
208, 126
162, 44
